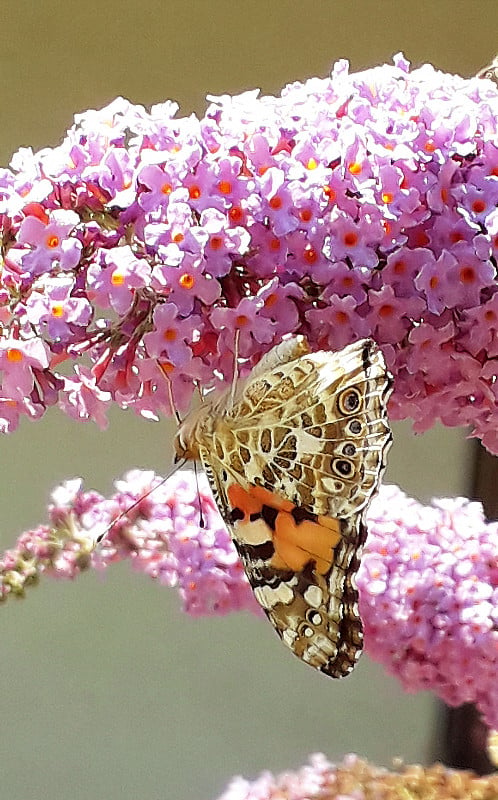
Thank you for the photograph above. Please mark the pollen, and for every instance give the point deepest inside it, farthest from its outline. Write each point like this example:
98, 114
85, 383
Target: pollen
430, 146
355, 168
386, 311
236, 214
467, 275
225, 187
478, 206
341, 317
350, 239
399, 267
194, 192
216, 242
271, 300
310, 255
312, 164
57, 310
275, 202
329, 192
170, 335
166, 366
14, 355
187, 281
275, 244
387, 197
305, 214
117, 278
241, 320
52, 241
166, 188
434, 282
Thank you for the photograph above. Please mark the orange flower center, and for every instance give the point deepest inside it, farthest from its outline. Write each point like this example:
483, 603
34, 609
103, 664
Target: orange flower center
187, 281
14, 355
57, 310
52, 241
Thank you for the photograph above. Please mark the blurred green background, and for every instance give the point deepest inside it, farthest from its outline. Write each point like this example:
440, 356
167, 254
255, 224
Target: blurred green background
108, 690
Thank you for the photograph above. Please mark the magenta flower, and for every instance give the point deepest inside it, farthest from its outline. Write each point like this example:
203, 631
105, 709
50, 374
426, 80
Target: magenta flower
428, 581
365, 204
57, 310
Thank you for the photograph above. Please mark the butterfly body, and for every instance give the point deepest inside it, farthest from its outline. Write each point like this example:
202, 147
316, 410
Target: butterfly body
293, 459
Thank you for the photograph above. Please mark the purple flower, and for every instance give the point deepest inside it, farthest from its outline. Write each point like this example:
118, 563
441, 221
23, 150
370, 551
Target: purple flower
112, 283
353, 240
57, 310
428, 587
187, 283
49, 244
245, 322
347, 207
168, 340
428, 580
18, 361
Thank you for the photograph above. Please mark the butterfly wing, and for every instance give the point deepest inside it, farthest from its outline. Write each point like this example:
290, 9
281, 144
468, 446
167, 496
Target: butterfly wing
313, 430
302, 570
293, 463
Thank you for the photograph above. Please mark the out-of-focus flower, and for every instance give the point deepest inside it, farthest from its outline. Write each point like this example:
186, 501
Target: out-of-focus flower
355, 779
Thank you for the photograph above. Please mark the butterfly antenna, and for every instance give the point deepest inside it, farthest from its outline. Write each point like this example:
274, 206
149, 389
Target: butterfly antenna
137, 502
202, 521
235, 375
170, 393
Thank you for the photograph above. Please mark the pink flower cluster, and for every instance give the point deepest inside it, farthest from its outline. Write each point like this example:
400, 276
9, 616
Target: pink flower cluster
428, 580
138, 251
174, 535
428, 587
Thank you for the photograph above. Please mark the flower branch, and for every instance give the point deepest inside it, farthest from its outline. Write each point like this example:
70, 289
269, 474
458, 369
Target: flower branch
428, 580
357, 205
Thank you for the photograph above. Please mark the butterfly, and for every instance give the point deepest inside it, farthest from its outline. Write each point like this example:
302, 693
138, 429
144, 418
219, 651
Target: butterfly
490, 71
293, 455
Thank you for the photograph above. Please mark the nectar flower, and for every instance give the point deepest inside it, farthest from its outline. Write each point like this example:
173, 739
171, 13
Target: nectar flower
365, 203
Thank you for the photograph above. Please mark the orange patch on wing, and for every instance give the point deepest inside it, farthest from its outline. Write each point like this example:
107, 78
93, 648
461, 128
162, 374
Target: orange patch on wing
252, 502
266, 498
296, 544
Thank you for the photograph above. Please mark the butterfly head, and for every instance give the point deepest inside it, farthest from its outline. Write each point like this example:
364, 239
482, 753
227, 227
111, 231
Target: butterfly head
186, 441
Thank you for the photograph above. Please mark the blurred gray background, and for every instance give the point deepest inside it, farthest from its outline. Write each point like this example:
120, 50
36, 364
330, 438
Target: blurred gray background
108, 690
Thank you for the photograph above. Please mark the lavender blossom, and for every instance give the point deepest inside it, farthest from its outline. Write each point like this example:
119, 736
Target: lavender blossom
357, 205
428, 580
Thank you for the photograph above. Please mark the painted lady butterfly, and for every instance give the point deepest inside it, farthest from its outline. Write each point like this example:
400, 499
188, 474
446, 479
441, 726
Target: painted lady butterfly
490, 71
293, 459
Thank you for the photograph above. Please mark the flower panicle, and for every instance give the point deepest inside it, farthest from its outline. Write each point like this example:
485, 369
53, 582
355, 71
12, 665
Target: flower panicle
356, 779
359, 205
428, 580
